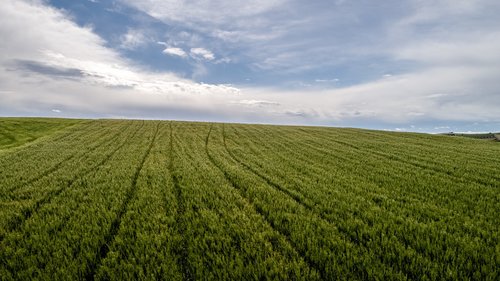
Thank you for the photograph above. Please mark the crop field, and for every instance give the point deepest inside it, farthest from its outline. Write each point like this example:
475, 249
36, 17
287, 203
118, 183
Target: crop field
152, 200
17, 131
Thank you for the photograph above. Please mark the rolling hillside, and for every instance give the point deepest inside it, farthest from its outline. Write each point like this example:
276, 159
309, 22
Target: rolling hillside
18, 131
124, 200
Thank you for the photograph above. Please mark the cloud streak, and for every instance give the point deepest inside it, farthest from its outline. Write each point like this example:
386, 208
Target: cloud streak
175, 52
202, 54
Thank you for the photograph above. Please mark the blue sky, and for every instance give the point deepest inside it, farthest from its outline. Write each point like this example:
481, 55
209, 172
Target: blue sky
414, 65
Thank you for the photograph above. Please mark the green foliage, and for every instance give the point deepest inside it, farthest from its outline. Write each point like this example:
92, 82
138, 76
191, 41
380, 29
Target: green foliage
18, 131
151, 200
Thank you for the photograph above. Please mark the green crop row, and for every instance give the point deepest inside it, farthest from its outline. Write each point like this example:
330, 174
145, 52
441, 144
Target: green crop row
159, 200
383, 197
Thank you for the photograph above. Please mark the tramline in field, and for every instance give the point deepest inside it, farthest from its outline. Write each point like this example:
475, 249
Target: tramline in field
130, 199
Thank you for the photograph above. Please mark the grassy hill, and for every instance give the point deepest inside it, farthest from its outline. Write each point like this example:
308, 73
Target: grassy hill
18, 131
121, 200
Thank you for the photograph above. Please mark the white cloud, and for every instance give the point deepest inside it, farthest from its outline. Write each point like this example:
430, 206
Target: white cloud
431, 11
447, 94
451, 46
453, 49
201, 53
291, 36
257, 103
184, 38
326, 80
134, 39
201, 12
188, 39
223, 60
175, 52
233, 24
70, 67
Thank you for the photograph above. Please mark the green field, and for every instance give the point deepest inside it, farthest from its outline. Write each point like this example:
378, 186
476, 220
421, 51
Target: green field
126, 200
18, 131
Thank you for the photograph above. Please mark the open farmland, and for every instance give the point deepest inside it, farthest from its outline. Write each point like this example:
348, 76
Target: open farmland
122, 200
18, 131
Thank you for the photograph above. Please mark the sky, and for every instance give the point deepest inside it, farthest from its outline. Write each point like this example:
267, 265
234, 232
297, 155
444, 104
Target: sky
404, 65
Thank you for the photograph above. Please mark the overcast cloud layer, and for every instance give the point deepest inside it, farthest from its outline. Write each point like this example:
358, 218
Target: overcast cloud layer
401, 65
